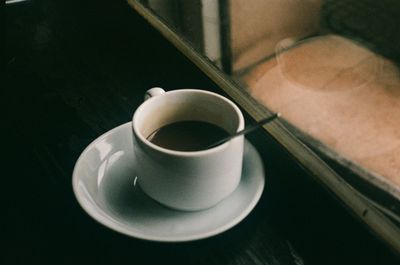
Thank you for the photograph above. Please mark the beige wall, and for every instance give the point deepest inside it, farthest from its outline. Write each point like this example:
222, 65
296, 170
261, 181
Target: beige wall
257, 25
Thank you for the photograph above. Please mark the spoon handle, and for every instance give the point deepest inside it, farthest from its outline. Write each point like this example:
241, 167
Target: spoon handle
247, 129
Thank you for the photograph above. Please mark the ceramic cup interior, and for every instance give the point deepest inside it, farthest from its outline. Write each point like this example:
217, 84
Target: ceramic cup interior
186, 105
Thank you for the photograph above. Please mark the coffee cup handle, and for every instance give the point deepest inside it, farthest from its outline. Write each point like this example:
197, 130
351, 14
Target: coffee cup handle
153, 92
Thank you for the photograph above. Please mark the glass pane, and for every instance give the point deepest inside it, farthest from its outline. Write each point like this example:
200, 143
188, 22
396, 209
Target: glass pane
329, 66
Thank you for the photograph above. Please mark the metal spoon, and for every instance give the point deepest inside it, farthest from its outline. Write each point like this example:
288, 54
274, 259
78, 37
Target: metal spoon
246, 130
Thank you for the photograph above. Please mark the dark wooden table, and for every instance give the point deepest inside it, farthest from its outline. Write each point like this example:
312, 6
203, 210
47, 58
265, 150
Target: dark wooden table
76, 69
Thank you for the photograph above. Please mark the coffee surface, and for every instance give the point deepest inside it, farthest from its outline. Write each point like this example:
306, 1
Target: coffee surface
187, 135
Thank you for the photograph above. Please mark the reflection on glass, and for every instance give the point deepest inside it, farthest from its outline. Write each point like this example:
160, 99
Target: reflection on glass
257, 26
198, 21
336, 91
329, 66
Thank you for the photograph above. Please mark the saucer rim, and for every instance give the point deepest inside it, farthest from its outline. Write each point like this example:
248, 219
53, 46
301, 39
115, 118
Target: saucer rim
104, 218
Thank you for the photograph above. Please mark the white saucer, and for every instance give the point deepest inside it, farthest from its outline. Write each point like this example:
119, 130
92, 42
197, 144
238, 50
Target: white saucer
104, 184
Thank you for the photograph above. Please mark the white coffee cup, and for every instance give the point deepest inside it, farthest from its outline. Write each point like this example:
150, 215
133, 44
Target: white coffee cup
183, 180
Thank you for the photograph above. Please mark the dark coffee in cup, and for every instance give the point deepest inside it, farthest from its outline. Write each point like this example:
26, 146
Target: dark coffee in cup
187, 135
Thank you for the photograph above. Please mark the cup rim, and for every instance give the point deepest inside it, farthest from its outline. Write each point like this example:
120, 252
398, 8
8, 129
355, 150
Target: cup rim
188, 153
